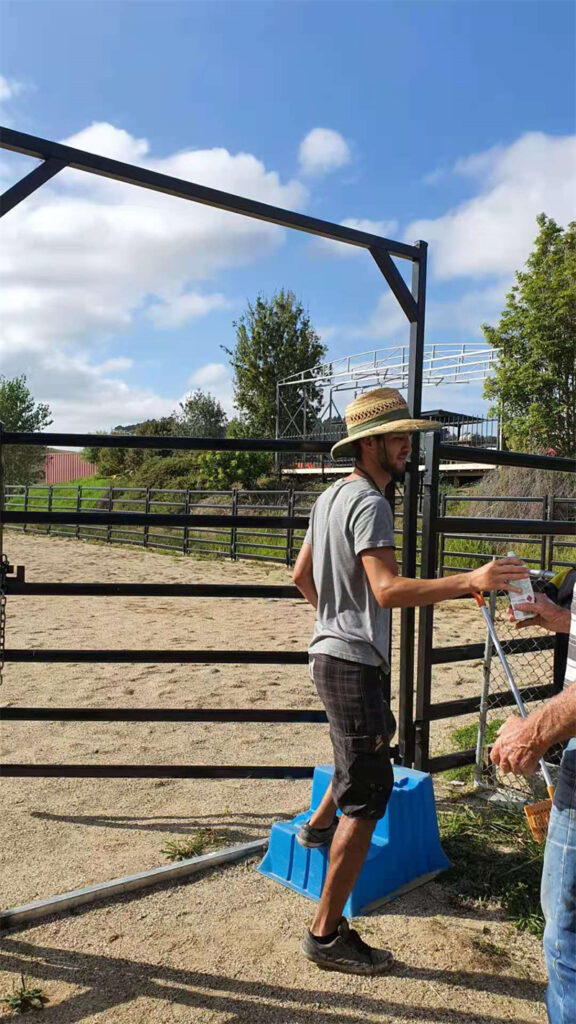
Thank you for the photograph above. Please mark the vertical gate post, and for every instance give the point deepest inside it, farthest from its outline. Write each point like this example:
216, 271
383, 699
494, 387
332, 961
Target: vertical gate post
234, 530
146, 534
50, 503
409, 537
110, 509
290, 531
78, 509
552, 538
543, 542
442, 541
426, 621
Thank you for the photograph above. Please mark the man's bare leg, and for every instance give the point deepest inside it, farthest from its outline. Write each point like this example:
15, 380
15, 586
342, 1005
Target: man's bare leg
325, 812
347, 855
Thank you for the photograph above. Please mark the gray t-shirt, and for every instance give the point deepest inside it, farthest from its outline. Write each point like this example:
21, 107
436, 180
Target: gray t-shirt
348, 518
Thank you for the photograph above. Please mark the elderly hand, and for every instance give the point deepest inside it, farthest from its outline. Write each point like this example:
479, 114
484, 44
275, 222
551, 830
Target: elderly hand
548, 615
518, 748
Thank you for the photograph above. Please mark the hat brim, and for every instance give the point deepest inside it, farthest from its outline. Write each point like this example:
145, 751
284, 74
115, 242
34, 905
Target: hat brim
344, 449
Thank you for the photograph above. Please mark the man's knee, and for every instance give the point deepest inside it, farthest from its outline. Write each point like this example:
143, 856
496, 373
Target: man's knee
363, 777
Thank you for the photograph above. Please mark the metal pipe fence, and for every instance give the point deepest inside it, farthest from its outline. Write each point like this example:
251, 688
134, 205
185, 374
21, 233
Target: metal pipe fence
271, 545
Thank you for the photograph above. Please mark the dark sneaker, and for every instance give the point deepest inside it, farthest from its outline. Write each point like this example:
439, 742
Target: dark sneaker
313, 838
347, 953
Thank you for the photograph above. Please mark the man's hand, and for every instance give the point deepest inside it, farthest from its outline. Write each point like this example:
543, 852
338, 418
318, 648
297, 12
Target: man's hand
501, 574
548, 615
518, 748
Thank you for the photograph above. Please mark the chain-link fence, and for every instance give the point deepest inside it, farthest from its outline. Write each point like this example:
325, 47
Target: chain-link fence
533, 670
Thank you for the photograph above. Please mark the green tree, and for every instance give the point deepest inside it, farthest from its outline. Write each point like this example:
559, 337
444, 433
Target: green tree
19, 412
534, 385
202, 416
274, 339
124, 461
222, 470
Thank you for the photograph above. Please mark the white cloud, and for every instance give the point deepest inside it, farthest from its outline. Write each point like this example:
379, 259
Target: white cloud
466, 313
84, 395
462, 315
493, 233
85, 258
323, 150
186, 307
384, 228
215, 378
387, 321
119, 365
9, 88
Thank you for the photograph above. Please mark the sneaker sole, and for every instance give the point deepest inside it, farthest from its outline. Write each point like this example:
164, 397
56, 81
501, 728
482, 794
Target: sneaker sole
349, 969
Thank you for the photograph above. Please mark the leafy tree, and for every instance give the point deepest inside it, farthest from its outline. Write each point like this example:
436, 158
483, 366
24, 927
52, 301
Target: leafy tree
274, 339
123, 461
222, 470
202, 416
534, 384
19, 412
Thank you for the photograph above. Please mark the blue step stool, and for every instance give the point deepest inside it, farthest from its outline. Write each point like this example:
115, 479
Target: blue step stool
405, 850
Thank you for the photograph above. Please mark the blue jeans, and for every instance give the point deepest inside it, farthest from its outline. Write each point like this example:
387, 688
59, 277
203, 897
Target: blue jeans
559, 895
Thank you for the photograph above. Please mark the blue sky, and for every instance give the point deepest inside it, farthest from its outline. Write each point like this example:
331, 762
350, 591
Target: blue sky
452, 121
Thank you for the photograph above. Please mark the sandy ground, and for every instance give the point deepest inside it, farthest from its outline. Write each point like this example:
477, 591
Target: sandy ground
222, 948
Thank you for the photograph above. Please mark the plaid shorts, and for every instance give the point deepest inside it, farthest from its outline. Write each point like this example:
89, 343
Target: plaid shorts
361, 727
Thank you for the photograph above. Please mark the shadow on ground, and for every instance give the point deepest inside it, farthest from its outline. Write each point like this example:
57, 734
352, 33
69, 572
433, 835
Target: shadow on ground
110, 982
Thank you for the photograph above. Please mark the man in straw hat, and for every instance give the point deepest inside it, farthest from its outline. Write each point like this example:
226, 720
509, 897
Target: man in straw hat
347, 570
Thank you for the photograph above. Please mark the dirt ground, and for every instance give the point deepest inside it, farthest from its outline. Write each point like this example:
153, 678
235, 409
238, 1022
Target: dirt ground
224, 947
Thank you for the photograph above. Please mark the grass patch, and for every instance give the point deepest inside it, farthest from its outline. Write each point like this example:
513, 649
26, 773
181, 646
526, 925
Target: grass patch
202, 841
23, 998
495, 858
465, 738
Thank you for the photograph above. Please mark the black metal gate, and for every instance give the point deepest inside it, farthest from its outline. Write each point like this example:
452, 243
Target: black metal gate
434, 527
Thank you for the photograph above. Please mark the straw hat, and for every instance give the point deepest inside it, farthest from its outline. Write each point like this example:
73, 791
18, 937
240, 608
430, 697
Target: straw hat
382, 411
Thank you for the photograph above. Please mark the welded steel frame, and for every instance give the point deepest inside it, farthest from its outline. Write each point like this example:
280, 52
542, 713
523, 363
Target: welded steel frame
435, 525
442, 364
412, 300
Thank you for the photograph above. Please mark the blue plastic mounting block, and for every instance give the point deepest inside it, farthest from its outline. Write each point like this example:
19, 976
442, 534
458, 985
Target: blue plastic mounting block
405, 850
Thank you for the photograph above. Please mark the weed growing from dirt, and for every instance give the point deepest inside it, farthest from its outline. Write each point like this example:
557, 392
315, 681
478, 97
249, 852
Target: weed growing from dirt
495, 859
23, 998
200, 842
465, 738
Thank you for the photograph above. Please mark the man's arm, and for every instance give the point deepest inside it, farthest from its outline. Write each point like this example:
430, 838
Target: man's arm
393, 591
523, 741
302, 575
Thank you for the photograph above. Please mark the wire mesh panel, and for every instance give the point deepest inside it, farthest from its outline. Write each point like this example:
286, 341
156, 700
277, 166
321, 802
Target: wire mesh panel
533, 669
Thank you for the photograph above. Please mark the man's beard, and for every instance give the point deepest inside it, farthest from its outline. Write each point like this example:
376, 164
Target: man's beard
397, 475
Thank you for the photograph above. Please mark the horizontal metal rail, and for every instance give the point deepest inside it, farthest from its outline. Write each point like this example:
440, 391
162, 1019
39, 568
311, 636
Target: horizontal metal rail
156, 657
22, 714
155, 771
520, 527
213, 444
490, 497
493, 456
235, 590
178, 519
92, 163
27, 912
459, 759
468, 705
471, 652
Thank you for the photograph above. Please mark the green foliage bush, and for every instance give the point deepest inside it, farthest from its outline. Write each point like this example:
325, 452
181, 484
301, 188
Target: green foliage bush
174, 472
